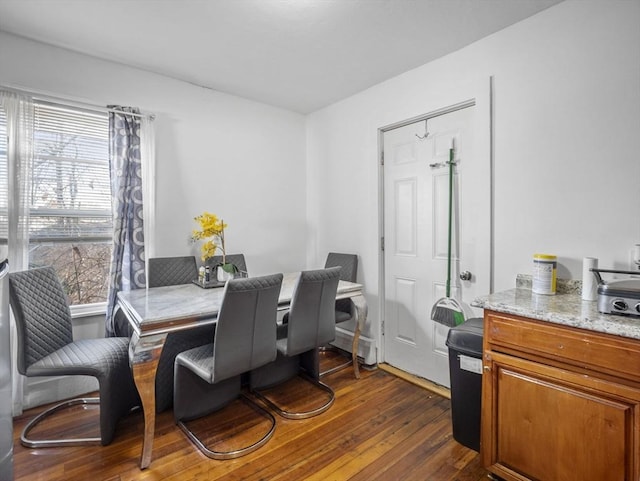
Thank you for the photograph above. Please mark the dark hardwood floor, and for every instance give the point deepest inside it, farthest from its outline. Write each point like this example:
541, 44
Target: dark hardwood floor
381, 428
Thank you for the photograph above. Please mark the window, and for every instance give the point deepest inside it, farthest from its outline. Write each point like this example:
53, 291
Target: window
69, 198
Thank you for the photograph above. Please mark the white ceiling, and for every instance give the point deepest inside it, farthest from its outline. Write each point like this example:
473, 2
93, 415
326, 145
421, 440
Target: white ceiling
297, 54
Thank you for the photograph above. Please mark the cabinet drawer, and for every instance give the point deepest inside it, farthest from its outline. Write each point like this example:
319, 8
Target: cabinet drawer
585, 349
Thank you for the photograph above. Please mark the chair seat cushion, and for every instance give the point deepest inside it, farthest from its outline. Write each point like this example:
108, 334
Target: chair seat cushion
89, 357
342, 316
199, 360
176, 343
281, 346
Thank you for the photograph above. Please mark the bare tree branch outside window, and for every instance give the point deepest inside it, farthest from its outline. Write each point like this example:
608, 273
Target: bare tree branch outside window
70, 225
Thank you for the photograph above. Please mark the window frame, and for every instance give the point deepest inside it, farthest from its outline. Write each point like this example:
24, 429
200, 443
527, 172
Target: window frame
148, 170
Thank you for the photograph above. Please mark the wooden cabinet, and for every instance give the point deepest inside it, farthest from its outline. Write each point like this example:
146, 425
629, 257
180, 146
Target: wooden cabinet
559, 403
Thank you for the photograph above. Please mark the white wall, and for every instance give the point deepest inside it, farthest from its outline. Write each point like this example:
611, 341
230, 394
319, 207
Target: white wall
239, 159
566, 133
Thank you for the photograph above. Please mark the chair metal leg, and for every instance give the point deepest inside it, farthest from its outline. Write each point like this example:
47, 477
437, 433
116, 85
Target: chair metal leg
347, 363
221, 455
300, 415
49, 443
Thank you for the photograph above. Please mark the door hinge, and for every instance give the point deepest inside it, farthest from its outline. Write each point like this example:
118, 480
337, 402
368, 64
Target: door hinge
382, 158
382, 328
382, 243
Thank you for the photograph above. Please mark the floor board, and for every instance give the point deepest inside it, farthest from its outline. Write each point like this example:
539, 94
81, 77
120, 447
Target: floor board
380, 428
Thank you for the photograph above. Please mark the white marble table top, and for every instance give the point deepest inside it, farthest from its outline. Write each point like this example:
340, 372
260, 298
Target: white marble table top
172, 307
567, 309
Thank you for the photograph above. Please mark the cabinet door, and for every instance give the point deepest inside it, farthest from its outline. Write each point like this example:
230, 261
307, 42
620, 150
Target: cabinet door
549, 424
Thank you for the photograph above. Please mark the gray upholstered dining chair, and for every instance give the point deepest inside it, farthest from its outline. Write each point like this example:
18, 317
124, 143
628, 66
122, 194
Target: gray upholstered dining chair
310, 324
46, 348
209, 377
172, 271
348, 264
235, 259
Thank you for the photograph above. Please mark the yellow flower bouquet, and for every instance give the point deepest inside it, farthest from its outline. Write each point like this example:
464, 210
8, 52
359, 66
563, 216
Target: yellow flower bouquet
212, 230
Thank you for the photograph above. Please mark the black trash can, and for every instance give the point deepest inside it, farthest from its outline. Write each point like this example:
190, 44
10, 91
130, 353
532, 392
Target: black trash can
465, 370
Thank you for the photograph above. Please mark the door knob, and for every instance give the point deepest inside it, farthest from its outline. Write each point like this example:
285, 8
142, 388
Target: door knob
465, 275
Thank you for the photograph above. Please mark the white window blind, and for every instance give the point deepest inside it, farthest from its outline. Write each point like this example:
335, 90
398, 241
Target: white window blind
70, 195
70, 213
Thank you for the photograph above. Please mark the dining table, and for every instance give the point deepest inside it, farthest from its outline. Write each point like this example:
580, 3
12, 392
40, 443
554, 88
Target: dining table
155, 312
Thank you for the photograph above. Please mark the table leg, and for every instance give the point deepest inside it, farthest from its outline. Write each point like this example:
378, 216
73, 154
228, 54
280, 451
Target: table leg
360, 306
144, 354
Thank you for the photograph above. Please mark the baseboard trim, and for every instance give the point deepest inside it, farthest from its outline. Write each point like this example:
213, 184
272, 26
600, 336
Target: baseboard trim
366, 345
418, 381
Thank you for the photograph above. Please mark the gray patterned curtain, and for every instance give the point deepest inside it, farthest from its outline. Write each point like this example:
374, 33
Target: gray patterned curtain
127, 259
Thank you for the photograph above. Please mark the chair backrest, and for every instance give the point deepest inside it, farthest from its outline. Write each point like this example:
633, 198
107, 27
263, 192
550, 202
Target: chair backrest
348, 272
235, 259
171, 271
41, 310
245, 336
348, 264
311, 320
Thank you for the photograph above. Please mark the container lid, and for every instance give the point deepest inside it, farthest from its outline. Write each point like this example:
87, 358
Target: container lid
467, 337
548, 257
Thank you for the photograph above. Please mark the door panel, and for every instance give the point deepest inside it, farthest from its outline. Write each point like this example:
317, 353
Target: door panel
416, 193
405, 215
406, 296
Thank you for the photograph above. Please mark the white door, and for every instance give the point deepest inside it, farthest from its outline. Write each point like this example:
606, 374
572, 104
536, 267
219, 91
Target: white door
416, 182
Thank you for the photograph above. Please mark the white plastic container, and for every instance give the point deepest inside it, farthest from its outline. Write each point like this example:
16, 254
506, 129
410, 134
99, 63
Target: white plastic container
589, 284
544, 274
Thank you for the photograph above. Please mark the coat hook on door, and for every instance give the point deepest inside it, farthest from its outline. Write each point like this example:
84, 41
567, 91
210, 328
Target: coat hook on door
426, 132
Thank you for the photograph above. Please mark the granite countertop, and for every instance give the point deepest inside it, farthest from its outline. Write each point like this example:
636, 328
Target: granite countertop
564, 308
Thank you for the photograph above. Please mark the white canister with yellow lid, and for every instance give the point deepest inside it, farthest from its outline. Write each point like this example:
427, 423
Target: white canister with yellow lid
544, 274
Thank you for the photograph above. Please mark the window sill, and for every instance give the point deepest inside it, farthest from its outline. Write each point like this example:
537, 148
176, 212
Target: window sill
88, 310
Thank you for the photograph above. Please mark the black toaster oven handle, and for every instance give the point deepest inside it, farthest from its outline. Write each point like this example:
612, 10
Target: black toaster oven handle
609, 271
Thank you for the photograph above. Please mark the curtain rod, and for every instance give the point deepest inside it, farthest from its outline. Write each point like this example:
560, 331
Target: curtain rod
82, 105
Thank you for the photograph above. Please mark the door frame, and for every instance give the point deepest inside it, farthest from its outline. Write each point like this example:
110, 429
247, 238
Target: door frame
478, 94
